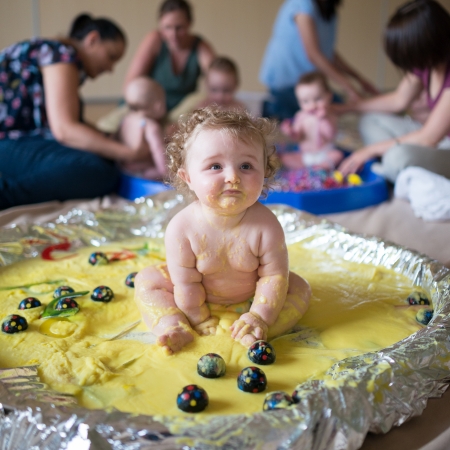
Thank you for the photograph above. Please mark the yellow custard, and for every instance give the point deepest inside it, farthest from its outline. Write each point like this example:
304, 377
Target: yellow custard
355, 309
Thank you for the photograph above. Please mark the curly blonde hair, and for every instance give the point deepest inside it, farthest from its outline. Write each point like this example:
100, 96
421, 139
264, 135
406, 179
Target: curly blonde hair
238, 124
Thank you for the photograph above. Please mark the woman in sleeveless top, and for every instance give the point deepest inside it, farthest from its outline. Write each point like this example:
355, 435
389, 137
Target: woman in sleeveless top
172, 55
417, 41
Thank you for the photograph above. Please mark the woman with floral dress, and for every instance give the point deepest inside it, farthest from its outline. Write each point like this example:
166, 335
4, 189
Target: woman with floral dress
47, 152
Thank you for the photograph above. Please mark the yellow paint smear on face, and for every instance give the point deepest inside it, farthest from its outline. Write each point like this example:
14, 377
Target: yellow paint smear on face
348, 316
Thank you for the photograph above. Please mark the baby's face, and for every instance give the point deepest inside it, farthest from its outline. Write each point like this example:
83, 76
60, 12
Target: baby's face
226, 174
313, 99
221, 87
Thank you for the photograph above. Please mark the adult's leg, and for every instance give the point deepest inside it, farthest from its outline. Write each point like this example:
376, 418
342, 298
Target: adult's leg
281, 105
378, 127
34, 170
406, 155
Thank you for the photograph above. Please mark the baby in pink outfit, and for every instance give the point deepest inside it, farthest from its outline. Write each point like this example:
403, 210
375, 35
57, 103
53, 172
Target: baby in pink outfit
314, 126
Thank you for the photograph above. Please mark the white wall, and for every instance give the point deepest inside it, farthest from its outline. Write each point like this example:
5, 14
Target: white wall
237, 28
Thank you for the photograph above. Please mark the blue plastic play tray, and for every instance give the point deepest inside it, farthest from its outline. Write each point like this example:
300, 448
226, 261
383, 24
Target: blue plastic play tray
132, 187
373, 191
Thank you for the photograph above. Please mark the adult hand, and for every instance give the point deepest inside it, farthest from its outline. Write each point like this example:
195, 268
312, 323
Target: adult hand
353, 96
342, 108
355, 161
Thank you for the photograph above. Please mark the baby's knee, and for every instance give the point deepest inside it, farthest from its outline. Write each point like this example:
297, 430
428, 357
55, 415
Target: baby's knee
152, 276
299, 293
149, 280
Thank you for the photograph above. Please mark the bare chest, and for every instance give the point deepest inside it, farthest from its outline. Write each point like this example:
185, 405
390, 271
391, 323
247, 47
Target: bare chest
217, 254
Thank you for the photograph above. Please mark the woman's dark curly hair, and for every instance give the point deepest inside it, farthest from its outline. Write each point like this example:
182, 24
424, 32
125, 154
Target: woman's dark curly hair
238, 124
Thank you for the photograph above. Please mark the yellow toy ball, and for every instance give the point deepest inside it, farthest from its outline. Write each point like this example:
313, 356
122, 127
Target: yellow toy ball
354, 180
338, 176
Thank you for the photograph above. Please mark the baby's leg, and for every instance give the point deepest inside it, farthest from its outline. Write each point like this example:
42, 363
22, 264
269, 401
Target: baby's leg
297, 302
154, 297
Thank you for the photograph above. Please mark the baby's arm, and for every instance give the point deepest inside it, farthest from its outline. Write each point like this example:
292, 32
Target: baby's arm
189, 293
328, 130
272, 286
154, 137
293, 128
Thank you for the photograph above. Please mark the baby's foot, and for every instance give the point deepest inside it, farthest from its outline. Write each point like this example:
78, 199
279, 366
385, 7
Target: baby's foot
207, 327
248, 329
175, 339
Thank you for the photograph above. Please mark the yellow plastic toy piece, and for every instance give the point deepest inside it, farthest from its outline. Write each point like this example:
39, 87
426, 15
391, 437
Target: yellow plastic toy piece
338, 176
354, 180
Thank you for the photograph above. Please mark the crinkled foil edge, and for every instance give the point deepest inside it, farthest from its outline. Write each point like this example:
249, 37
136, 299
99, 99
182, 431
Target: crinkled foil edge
371, 392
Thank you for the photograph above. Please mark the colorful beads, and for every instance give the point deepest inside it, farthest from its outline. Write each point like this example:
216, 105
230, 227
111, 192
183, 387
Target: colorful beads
66, 304
424, 316
29, 302
98, 259
129, 281
63, 290
211, 365
417, 298
277, 400
252, 379
261, 352
102, 294
14, 324
313, 179
192, 399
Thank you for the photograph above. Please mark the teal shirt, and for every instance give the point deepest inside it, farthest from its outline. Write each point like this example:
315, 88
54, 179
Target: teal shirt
177, 87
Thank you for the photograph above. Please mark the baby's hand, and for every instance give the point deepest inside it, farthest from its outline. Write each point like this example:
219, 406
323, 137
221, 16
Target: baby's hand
286, 127
248, 329
207, 327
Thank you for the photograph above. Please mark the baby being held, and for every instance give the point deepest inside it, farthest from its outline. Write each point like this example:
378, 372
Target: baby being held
222, 82
141, 128
314, 126
225, 251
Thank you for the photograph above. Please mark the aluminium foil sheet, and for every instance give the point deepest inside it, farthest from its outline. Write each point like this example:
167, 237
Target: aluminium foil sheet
334, 414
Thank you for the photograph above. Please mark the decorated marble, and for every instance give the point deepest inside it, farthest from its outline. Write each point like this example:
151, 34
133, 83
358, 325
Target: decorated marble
29, 303
192, 399
98, 259
252, 379
129, 280
102, 294
262, 353
211, 365
63, 290
14, 324
277, 400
